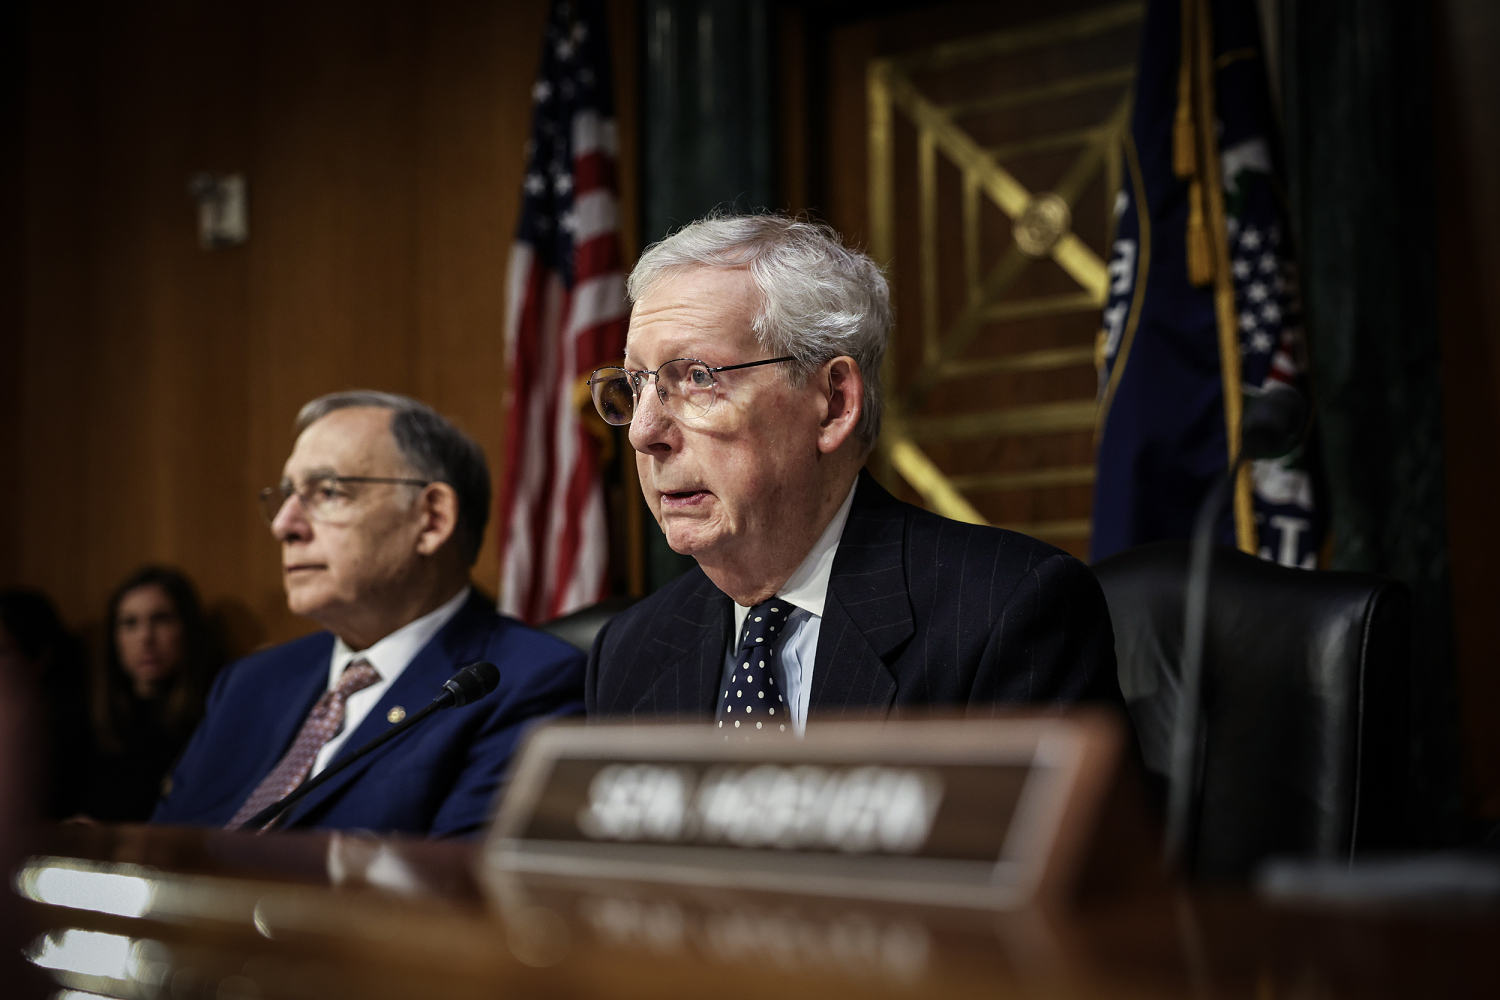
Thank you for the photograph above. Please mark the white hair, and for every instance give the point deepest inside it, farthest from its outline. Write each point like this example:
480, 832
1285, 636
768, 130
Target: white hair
818, 298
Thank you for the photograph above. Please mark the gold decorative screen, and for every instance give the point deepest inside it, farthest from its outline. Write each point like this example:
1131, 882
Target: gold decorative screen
994, 163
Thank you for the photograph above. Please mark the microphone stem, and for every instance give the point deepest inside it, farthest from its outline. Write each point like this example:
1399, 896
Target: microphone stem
1183, 763
263, 817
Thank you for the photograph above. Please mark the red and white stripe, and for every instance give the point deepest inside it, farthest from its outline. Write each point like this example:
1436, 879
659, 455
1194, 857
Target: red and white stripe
554, 537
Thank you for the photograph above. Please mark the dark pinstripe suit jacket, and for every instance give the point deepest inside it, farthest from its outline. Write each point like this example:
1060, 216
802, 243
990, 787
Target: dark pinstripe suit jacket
921, 611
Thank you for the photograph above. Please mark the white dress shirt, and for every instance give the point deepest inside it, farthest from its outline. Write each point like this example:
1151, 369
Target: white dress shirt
389, 657
807, 588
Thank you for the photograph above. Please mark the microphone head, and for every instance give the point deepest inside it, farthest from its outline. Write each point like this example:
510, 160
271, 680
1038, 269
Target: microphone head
472, 682
1272, 422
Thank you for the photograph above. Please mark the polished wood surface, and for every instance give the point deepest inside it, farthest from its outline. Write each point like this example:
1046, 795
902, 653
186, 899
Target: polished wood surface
138, 911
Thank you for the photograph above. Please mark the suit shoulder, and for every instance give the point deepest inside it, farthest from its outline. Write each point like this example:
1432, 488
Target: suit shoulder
879, 519
539, 673
516, 636
672, 598
933, 532
945, 558
512, 638
288, 656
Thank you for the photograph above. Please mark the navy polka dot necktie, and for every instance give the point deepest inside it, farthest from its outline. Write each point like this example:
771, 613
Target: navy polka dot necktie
752, 699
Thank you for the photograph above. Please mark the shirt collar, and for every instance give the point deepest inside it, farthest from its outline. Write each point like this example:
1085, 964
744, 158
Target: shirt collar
807, 587
391, 654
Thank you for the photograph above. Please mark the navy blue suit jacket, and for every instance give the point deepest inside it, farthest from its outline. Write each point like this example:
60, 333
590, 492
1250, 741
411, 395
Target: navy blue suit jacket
922, 612
438, 778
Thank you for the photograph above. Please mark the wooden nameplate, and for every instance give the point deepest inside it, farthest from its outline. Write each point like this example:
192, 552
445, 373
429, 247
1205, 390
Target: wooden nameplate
991, 813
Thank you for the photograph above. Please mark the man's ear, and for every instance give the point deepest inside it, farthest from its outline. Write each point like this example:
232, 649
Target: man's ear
438, 507
842, 391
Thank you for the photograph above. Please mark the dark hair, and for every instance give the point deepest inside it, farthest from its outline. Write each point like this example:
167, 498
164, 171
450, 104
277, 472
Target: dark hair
437, 450
185, 689
33, 623
52, 671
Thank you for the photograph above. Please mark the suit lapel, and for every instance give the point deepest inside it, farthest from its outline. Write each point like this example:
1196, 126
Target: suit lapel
456, 643
867, 615
686, 652
311, 681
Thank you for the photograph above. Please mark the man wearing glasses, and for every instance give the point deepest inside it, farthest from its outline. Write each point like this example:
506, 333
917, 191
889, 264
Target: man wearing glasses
380, 514
751, 388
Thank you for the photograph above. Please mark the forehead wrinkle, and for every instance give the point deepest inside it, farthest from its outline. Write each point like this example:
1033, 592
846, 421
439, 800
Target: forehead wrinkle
666, 354
359, 438
315, 472
692, 321
714, 344
673, 339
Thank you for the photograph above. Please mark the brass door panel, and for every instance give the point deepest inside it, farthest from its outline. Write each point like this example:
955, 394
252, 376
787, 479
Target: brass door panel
993, 166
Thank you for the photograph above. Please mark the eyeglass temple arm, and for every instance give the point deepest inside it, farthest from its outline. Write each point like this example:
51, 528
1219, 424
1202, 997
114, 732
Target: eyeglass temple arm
752, 364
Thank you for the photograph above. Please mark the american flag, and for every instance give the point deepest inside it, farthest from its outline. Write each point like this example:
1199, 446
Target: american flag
565, 315
1290, 518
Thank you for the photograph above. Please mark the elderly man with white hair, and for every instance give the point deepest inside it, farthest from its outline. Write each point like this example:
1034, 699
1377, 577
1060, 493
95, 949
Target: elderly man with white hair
751, 387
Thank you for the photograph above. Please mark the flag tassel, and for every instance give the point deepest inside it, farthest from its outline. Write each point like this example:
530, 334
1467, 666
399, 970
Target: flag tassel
1200, 251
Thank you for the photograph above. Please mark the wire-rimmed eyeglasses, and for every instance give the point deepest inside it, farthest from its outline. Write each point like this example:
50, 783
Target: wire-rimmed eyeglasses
324, 498
686, 387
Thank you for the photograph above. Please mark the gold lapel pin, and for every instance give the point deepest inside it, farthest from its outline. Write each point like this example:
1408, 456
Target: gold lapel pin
395, 715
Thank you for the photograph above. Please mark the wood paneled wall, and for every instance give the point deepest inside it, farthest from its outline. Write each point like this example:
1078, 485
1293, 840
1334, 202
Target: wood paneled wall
1466, 146
154, 383
147, 387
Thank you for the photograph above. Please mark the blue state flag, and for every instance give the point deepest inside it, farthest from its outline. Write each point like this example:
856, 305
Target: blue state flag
1203, 302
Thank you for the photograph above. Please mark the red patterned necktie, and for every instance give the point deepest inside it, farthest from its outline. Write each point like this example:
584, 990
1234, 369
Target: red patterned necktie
323, 722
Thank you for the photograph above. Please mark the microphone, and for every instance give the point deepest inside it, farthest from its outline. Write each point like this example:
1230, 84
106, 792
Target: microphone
1272, 424
1273, 421
468, 685
465, 687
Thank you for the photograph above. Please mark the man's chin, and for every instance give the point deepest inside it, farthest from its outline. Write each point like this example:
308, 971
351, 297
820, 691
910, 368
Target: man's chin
689, 543
302, 602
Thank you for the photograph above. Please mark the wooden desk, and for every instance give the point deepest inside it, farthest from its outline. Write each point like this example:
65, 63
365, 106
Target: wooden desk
157, 912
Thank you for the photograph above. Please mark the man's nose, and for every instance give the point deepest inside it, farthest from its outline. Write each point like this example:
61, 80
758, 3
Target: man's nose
291, 520
650, 424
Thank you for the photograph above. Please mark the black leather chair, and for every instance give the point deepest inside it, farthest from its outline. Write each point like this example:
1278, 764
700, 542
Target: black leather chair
579, 628
1306, 677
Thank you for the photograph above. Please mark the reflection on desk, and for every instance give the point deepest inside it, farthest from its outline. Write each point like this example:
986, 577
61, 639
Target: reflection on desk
157, 912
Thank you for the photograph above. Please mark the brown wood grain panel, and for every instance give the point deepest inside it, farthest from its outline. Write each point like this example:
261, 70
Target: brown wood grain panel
469, 139
155, 383
1032, 91
12, 258
1466, 136
332, 219
60, 171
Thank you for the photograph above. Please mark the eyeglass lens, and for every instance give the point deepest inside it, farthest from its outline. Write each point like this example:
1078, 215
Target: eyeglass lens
684, 386
323, 498
272, 498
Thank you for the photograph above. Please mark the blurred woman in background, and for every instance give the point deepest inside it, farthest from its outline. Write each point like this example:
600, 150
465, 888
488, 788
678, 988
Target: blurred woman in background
148, 692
